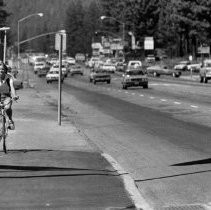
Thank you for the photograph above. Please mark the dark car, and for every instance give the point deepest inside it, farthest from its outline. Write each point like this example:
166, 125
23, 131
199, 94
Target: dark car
99, 75
134, 77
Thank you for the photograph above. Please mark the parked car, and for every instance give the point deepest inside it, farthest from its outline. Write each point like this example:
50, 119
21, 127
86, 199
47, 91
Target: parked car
53, 75
205, 71
134, 77
76, 70
99, 75
158, 70
182, 66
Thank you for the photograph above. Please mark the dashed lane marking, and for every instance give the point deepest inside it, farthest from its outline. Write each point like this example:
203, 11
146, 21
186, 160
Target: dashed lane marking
151, 97
176, 102
194, 106
141, 95
163, 100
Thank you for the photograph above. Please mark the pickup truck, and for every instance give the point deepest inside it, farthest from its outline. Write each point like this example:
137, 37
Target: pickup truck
99, 75
205, 71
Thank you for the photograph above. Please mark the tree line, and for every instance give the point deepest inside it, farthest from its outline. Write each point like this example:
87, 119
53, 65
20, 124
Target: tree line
179, 26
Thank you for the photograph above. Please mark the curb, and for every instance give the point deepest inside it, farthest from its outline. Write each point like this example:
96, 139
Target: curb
129, 184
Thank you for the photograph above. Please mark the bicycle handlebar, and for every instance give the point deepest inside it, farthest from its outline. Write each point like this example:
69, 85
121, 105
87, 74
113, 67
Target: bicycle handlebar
11, 99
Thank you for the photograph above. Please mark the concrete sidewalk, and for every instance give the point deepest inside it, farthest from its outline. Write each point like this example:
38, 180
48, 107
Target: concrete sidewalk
54, 167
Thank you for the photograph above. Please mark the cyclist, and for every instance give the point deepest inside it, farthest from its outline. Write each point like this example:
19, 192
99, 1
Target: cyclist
7, 91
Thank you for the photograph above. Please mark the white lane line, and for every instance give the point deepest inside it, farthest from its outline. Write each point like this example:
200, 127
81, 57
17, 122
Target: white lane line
129, 184
119, 91
126, 92
141, 95
163, 99
176, 102
151, 97
133, 94
193, 106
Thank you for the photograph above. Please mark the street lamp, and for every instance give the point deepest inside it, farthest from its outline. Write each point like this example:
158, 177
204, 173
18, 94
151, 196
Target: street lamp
5, 29
123, 26
20, 20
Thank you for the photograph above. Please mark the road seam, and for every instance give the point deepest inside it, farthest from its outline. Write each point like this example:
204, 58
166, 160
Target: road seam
129, 184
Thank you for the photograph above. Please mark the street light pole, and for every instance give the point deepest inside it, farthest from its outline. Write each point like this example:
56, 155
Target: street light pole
20, 20
122, 23
5, 41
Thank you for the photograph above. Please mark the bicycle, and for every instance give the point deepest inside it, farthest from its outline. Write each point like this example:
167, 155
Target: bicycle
5, 125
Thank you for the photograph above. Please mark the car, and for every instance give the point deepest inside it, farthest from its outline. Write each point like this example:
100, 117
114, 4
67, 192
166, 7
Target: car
205, 71
108, 67
158, 70
92, 61
99, 75
134, 64
38, 65
134, 77
182, 66
43, 71
56, 67
194, 67
77, 69
70, 60
53, 75
120, 66
150, 59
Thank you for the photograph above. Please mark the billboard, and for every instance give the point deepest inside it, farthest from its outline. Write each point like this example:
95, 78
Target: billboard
149, 43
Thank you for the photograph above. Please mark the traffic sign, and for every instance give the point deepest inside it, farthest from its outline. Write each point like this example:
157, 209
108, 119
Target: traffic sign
57, 40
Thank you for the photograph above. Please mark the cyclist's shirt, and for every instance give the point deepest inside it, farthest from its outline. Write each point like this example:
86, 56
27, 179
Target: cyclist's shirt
5, 90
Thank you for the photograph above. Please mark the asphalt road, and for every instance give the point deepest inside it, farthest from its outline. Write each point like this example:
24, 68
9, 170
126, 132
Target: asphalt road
161, 136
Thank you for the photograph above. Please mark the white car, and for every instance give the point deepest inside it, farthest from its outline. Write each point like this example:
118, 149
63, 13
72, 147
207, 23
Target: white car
38, 65
188, 66
64, 69
92, 62
108, 67
70, 60
53, 75
76, 70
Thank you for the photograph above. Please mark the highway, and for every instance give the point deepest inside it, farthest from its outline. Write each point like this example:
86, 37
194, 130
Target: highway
160, 136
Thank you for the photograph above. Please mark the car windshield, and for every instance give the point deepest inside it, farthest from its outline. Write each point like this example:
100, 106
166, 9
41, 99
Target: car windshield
131, 73
53, 72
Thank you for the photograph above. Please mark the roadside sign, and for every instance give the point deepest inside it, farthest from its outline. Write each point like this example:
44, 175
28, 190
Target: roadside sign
204, 50
57, 41
149, 43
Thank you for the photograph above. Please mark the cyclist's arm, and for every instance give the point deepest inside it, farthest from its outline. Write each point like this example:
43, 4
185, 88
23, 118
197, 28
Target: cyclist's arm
13, 92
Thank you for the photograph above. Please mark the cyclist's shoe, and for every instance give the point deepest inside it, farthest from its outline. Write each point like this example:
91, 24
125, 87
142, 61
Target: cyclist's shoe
11, 125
